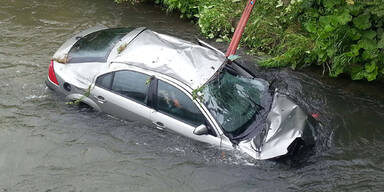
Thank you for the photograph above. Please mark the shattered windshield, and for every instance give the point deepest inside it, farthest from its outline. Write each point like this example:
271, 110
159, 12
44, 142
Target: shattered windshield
235, 101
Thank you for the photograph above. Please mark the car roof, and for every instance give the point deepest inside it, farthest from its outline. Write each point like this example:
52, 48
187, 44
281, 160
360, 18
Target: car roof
184, 61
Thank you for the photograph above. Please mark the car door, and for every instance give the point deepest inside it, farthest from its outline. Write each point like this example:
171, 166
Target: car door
123, 94
176, 111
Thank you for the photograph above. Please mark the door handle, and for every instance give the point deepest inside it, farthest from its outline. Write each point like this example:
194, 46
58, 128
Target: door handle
101, 99
159, 125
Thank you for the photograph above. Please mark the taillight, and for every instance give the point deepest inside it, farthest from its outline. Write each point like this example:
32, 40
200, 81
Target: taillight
51, 74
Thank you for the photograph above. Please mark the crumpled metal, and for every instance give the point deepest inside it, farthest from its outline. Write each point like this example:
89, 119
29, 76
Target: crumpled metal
189, 63
286, 122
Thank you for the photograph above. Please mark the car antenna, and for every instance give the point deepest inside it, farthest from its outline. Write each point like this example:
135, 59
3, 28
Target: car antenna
239, 31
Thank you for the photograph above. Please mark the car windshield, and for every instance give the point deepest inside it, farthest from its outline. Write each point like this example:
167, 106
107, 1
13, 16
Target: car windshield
235, 101
96, 46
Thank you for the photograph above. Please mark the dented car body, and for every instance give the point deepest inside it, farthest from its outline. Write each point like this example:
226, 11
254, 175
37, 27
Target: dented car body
171, 84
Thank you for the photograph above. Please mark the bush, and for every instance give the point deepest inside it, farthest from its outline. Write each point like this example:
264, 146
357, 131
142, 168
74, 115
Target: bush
347, 35
187, 8
216, 18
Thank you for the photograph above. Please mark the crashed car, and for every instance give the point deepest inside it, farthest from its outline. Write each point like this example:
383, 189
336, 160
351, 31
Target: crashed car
171, 84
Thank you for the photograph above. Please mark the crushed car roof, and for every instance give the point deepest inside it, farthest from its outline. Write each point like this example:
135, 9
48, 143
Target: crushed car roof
189, 63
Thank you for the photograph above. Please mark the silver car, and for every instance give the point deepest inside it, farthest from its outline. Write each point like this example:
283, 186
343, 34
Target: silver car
172, 84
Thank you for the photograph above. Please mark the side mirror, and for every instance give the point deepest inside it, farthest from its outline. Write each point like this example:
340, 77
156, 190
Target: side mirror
201, 130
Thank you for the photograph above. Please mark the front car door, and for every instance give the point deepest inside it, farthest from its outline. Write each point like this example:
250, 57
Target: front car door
176, 111
123, 94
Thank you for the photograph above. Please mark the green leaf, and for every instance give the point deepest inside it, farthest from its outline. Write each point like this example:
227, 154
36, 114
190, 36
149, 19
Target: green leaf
325, 20
344, 18
331, 52
370, 67
148, 81
370, 34
356, 72
380, 44
354, 51
330, 3
362, 22
367, 55
357, 75
280, 3
311, 27
367, 44
354, 34
219, 40
350, 2
371, 71
197, 94
338, 66
329, 28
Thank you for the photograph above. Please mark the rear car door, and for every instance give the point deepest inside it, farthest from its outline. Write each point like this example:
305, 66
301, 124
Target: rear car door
123, 94
176, 111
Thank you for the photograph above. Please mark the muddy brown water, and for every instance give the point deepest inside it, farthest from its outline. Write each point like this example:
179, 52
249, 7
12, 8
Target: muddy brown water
46, 145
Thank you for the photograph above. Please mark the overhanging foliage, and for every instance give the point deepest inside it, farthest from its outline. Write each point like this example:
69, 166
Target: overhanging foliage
343, 36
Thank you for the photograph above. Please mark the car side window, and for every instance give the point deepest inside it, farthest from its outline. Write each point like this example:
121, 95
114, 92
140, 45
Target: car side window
172, 101
105, 81
131, 84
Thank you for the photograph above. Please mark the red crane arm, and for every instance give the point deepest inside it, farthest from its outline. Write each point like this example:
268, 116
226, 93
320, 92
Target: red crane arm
240, 29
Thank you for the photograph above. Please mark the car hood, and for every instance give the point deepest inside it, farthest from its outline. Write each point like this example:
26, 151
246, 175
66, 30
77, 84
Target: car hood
285, 123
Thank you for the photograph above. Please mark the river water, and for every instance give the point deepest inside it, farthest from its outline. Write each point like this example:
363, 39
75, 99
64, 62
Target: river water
46, 145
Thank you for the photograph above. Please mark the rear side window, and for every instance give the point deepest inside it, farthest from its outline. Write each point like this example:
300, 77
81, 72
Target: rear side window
132, 85
172, 101
105, 81
95, 47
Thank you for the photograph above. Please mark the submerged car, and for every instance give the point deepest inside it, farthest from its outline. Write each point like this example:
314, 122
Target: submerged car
171, 84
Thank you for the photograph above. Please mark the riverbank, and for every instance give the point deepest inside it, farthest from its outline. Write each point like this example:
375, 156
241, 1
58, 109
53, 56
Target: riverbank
343, 37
